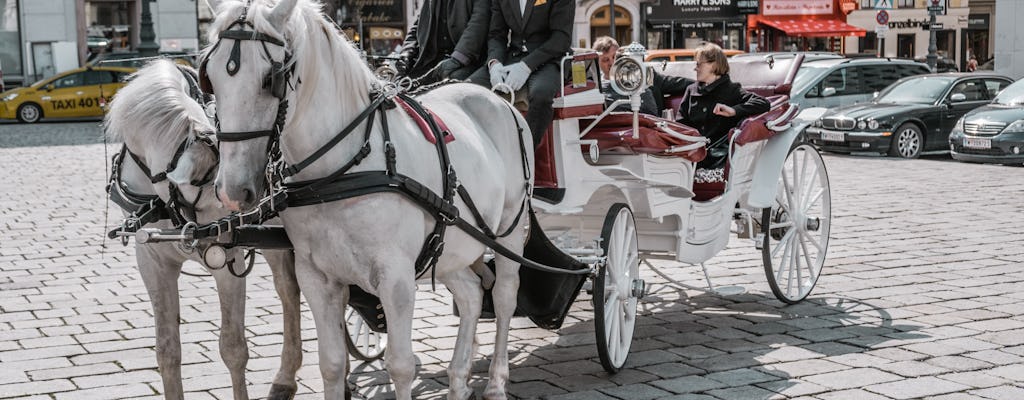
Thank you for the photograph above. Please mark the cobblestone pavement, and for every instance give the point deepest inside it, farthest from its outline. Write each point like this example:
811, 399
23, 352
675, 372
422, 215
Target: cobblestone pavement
921, 297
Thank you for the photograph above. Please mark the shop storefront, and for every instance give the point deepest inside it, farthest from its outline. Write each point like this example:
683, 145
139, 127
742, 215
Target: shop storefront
908, 30
801, 25
376, 26
675, 24
10, 41
976, 39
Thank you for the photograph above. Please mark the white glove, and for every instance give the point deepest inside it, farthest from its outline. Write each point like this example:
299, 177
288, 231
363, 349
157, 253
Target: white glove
498, 74
518, 73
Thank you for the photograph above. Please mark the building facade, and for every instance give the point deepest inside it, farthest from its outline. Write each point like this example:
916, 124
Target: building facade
906, 30
41, 38
801, 25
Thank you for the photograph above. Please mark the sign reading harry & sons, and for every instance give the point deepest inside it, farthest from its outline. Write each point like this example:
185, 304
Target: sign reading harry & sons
701, 9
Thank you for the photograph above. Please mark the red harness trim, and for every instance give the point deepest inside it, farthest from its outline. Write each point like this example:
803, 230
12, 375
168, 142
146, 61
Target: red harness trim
424, 125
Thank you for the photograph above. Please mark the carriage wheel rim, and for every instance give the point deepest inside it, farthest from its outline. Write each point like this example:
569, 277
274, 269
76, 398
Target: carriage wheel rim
369, 344
618, 313
909, 142
794, 253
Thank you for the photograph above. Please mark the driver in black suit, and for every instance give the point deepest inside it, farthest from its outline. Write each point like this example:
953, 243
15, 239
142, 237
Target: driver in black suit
448, 40
527, 40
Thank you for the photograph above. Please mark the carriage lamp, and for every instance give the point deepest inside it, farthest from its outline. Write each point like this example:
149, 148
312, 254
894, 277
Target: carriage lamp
629, 75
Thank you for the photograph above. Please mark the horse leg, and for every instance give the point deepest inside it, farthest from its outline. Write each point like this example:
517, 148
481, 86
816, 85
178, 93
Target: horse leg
399, 302
233, 348
506, 288
160, 275
465, 287
327, 301
282, 266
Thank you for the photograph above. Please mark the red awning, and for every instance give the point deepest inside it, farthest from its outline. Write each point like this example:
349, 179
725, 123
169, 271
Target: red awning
812, 27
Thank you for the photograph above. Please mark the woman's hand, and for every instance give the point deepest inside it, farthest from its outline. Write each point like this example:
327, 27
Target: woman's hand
724, 110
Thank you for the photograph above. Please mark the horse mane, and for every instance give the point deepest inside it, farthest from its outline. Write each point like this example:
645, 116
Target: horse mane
156, 102
327, 65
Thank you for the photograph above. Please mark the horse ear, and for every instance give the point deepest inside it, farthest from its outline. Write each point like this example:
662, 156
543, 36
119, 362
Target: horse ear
214, 4
280, 13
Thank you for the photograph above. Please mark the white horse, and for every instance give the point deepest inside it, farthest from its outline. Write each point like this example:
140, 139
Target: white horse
372, 240
155, 116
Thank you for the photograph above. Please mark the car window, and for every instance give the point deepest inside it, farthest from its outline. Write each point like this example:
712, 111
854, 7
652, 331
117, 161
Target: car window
99, 77
923, 90
684, 58
973, 90
76, 79
906, 70
845, 81
878, 77
995, 86
1013, 95
660, 58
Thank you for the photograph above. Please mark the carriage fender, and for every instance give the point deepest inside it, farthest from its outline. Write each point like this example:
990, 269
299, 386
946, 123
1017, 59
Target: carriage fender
768, 166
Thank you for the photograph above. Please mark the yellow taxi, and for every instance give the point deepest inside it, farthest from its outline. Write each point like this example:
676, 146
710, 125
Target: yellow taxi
81, 92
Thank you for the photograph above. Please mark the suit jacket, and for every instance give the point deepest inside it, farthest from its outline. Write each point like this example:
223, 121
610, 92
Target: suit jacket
540, 35
466, 23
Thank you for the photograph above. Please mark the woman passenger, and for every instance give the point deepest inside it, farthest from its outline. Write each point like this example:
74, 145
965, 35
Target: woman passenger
715, 104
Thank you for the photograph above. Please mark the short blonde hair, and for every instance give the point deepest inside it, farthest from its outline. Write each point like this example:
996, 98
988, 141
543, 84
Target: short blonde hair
603, 43
712, 54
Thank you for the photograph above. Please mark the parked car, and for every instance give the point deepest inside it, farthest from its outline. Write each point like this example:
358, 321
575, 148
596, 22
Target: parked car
134, 60
942, 64
81, 92
915, 114
993, 133
779, 55
680, 54
834, 82
97, 43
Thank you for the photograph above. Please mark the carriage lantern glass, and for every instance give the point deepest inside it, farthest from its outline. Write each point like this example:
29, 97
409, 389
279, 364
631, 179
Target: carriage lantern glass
628, 72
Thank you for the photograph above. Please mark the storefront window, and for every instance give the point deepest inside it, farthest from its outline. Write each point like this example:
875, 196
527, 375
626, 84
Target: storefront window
109, 27
10, 39
376, 26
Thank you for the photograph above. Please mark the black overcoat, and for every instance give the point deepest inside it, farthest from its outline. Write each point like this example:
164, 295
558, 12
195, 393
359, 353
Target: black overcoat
466, 24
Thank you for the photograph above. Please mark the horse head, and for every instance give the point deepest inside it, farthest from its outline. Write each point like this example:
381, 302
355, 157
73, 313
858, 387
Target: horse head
249, 67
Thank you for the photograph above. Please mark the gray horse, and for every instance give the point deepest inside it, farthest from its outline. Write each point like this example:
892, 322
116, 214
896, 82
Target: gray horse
373, 240
155, 115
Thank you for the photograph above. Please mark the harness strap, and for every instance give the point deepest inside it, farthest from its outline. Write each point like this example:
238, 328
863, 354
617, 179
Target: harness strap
240, 136
294, 169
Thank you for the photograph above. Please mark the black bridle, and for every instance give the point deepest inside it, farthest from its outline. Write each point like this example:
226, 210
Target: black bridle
276, 80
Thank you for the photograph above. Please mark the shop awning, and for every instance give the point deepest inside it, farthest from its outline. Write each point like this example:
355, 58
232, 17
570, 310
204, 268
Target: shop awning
812, 27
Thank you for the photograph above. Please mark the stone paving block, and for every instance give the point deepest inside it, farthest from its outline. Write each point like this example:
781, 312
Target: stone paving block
687, 384
36, 387
741, 392
917, 387
636, 392
851, 394
976, 379
806, 367
1000, 392
793, 387
852, 378
671, 370
76, 371
583, 395
957, 363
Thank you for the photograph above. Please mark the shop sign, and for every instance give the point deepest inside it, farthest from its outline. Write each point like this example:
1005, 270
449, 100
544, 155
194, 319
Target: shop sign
371, 11
797, 7
977, 21
908, 24
848, 6
694, 10
748, 6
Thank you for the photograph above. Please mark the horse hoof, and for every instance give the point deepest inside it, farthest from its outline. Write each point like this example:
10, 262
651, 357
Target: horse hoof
281, 392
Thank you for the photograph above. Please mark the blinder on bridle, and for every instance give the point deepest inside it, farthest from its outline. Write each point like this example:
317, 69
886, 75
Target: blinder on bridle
276, 80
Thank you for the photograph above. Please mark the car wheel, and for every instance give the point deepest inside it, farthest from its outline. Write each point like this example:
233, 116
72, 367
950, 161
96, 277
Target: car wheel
907, 142
29, 113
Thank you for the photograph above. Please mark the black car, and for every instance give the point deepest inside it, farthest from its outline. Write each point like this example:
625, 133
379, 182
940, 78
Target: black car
993, 133
914, 114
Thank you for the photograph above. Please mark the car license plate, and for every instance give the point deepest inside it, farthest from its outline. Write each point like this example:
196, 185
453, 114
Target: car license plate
833, 136
978, 143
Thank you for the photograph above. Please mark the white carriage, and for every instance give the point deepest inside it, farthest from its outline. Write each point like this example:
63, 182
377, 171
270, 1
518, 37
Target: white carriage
613, 187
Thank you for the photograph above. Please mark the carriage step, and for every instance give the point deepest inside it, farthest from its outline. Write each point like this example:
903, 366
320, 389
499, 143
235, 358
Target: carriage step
625, 175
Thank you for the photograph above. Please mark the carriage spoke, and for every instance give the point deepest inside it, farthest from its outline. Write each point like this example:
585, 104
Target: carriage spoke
781, 244
813, 200
817, 245
807, 194
810, 263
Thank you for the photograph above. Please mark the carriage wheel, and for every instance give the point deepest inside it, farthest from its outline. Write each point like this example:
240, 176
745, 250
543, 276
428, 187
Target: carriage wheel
617, 288
363, 343
796, 229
